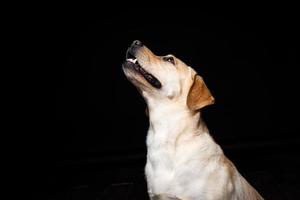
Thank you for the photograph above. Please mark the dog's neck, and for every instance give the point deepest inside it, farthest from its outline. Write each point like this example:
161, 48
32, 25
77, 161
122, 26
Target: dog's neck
169, 121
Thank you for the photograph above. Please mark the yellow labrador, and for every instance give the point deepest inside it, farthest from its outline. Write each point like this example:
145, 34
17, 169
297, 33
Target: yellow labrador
183, 161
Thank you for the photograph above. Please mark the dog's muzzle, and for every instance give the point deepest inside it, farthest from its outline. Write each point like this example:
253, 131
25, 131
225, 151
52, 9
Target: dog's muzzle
132, 63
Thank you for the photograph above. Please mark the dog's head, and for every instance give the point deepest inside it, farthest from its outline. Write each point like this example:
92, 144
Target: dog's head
165, 78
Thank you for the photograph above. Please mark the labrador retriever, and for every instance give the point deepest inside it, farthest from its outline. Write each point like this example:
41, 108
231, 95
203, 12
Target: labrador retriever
183, 160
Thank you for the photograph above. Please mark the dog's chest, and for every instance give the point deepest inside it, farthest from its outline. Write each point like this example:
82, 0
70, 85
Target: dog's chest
166, 168
161, 154
160, 169
179, 167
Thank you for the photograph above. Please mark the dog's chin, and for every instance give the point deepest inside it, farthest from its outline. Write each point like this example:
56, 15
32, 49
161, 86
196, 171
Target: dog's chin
133, 69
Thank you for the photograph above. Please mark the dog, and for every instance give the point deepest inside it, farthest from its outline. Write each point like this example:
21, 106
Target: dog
183, 160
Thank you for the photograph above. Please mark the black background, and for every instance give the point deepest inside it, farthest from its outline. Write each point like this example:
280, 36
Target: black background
96, 137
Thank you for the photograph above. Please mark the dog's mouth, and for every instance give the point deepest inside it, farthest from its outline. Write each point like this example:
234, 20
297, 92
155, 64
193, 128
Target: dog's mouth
132, 61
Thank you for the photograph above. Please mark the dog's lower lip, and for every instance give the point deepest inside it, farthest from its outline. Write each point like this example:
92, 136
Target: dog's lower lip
149, 77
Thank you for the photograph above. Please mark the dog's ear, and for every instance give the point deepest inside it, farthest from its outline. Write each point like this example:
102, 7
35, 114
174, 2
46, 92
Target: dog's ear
199, 95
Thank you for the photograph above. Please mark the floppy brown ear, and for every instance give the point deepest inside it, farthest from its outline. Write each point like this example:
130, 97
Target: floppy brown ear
199, 95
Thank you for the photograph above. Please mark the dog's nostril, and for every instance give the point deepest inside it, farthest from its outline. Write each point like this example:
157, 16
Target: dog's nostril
137, 43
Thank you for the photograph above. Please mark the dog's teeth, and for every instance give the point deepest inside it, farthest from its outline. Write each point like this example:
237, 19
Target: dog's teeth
132, 60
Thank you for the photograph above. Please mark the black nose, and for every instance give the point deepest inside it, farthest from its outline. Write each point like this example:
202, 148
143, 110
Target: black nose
137, 43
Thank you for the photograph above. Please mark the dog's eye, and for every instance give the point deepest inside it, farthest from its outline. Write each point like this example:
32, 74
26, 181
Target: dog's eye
169, 59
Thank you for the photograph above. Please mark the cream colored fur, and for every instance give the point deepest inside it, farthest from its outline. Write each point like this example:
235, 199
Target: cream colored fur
183, 161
